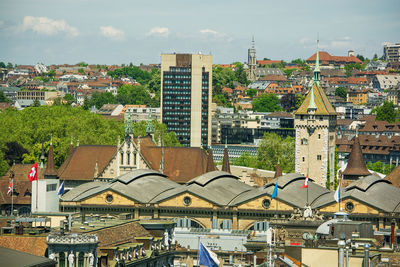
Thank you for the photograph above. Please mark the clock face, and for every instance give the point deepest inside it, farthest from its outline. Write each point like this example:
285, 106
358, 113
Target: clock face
128, 139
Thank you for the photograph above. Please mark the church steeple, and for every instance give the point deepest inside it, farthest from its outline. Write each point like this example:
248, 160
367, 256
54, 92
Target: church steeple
317, 72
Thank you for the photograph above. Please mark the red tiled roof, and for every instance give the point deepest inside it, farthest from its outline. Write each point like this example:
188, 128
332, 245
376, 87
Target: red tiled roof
181, 164
325, 58
81, 164
35, 245
227, 90
267, 62
274, 77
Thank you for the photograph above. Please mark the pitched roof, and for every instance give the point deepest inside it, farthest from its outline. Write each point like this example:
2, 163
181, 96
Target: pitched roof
81, 164
180, 163
14, 258
325, 58
394, 177
356, 163
35, 245
324, 107
21, 172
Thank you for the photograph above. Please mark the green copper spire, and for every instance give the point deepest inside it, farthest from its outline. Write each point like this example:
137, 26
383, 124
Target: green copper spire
312, 104
128, 126
149, 127
317, 72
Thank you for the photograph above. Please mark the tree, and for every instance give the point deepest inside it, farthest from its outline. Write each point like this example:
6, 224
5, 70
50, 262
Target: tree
14, 152
240, 74
33, 126
266, 103
222, 100
246, 160
81, 71
386, 112
154, 84
288, 102
251, 92
36, 103
299, 100
274, 149
360, 57
9, 65
99, 99
2, 64
3, 97
69, 98
341, 91
83, 64
137, 95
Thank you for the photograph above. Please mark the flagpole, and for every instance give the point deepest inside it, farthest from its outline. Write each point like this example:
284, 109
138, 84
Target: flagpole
198, 254
340, 195
307, 187
12, 196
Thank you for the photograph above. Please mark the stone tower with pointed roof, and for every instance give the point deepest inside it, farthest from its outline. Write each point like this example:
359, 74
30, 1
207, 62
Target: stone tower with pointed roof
315, 125
252, 61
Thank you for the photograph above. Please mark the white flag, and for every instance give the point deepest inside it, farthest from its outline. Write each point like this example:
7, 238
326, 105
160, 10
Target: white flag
337, 194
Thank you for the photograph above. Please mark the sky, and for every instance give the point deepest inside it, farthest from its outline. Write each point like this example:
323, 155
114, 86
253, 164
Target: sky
117, 31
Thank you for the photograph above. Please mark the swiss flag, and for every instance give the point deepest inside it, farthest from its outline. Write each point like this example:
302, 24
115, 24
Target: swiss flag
10, 187
305, 185
33, 173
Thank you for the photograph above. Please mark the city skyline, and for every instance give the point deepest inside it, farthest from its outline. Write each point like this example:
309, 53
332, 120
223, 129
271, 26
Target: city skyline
101, 32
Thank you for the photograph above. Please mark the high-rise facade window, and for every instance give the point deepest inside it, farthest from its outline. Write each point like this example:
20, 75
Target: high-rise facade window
186, 89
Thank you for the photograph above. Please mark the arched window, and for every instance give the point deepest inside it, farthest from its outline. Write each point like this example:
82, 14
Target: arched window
122, 158
81, 259
61, 259
128, 157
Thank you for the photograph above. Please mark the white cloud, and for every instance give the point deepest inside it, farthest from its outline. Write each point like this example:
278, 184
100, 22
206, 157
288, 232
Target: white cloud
158, 31
47, 26
112, 33
208, 31
304, 40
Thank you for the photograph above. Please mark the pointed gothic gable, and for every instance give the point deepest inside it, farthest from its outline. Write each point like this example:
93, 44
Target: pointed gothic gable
324, 107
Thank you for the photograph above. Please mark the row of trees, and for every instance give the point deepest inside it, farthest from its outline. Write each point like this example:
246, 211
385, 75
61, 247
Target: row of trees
273, 149
23, 132
127, 94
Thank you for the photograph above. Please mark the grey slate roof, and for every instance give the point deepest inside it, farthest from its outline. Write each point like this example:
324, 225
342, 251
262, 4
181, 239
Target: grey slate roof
218, 187
224, 189
370, 190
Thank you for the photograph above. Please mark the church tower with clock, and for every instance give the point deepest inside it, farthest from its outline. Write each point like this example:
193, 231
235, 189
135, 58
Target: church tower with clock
315, 126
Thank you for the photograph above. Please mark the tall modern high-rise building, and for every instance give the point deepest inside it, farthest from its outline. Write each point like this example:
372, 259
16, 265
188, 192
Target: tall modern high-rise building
392, 52
186, 92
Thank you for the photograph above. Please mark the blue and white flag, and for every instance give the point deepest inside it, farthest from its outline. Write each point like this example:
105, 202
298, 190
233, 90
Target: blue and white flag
207, 257
275, 193
337, 194
61, 189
